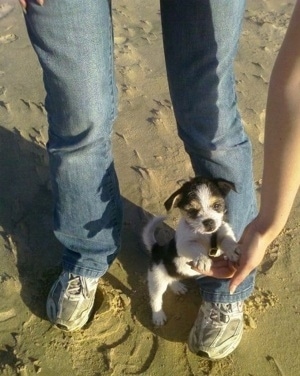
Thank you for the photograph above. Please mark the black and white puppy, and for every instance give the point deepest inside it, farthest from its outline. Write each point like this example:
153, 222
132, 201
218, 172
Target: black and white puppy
201, 234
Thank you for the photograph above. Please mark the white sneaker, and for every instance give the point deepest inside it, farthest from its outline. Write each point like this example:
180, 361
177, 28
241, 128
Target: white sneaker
218, 329
71, 300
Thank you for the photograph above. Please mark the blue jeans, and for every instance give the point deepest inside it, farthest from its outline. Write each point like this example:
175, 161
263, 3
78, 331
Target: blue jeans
73, 41
200, 42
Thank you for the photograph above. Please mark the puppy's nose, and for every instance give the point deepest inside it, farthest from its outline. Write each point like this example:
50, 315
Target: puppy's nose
209, 224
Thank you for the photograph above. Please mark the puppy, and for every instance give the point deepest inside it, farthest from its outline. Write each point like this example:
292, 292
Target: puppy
201, 233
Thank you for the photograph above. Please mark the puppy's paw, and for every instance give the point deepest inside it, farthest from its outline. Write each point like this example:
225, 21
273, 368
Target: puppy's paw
178, 288
234, 254
203, 264
159, 318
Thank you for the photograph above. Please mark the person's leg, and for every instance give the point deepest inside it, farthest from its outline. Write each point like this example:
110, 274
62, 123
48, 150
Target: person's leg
73, 41
200, 43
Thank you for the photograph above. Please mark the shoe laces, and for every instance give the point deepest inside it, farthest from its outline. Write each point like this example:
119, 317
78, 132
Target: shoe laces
74, 285
220, 312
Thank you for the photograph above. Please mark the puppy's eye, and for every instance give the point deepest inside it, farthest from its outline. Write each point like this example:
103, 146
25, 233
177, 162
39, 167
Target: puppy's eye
193, 212
217, 206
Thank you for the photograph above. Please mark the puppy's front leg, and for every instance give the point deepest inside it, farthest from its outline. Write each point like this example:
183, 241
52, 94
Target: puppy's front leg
194, 250
228, 243
203, 263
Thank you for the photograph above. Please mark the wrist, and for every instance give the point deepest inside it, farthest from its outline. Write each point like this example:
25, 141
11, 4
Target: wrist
267, 230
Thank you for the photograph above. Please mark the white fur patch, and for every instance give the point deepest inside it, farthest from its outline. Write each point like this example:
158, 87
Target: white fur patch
207, 212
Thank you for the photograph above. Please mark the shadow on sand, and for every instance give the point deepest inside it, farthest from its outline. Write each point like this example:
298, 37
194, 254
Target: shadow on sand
26, 217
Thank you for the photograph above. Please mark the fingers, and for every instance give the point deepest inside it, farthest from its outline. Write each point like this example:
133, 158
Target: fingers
23, 3
240, 275
222, 273
236, 280
219, 263
220, 269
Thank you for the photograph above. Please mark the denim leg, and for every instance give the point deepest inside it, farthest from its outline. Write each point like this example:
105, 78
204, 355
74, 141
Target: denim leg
73, 41
200, 43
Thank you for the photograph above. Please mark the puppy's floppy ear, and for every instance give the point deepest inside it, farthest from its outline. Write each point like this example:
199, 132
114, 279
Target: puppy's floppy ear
225, 186
173, 200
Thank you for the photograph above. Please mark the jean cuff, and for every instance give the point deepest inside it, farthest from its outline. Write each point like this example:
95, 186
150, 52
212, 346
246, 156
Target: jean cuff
217, 290
84, 272
98, 271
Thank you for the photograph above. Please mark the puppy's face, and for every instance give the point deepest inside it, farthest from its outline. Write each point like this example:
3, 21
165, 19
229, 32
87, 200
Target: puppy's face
201, 202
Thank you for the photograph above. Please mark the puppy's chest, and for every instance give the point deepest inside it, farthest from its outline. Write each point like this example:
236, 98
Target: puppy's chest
191, 244
187, 237
210, 245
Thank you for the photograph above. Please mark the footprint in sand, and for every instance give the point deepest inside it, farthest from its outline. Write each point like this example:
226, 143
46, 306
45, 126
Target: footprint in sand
6, 315
8, 38
146, 26
120, 40
2, 90
5, 9
4, 105
32, 105
162, 114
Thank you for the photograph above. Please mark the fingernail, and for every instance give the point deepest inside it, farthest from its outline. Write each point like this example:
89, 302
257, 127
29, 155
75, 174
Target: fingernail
232, 290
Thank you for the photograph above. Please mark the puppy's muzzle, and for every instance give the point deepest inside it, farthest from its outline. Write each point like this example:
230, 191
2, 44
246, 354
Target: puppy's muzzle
209, 225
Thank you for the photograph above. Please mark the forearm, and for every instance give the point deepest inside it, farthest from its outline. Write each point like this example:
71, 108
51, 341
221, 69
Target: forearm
281, 174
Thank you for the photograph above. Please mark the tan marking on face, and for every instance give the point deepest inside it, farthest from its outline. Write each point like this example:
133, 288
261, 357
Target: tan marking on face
194, 204
216, 203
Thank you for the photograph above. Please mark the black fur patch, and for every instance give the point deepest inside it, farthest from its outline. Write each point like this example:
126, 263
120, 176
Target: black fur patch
166, 254
188, 192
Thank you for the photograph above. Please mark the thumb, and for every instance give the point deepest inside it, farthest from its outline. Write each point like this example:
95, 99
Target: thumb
238, 278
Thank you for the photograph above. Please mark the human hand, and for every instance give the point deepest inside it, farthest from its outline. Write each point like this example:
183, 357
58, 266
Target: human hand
24, 3
221, 268
253, 245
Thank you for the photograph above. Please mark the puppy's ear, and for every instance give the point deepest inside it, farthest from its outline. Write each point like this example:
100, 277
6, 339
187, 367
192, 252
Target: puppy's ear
225, 186
173, 200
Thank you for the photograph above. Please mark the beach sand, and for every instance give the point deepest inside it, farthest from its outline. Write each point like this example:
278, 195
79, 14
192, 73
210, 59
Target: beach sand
151, 163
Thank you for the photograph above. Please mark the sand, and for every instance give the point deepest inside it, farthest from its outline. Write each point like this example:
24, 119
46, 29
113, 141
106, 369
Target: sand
151, 162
